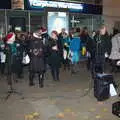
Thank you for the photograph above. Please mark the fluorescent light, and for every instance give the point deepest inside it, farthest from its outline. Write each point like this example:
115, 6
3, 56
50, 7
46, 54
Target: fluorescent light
61, 14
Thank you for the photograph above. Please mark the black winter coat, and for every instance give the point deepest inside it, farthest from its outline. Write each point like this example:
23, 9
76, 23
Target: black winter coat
91, 46
11, 58
37, 59
103, 44
20, 50
54, 59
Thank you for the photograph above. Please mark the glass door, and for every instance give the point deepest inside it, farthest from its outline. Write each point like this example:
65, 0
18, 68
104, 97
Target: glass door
57, 21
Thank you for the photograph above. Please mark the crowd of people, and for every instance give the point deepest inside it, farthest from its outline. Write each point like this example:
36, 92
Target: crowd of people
39, 50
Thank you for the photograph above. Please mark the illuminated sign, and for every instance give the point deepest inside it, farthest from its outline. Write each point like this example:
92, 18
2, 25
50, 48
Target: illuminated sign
53, 4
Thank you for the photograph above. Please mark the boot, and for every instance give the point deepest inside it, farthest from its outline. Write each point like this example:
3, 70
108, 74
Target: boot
41, 79
31, 76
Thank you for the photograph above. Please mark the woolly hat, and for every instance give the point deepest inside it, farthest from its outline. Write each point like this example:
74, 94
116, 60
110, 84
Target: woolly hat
40, 32
37, 35
10, 38
44, 30
55, 32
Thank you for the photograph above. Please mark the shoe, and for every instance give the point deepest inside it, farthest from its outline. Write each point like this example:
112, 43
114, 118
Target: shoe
31, 84
54, 79
41, 85
58, 79
16, 81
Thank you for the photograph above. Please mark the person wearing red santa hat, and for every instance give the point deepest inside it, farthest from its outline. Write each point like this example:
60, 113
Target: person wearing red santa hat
37, 59
14, 49
11, 52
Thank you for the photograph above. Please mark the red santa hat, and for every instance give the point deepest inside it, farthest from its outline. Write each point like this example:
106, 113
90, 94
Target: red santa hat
55, 32
44, 30
10, 38
40, 32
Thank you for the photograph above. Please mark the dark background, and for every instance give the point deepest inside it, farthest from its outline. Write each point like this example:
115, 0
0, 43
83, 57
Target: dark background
5, 4
88, 9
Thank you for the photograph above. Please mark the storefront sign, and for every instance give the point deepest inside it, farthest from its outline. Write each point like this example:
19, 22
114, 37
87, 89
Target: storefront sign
40, 3
17, 4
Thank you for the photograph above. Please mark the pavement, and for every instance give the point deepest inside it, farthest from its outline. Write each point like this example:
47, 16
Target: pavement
70, 99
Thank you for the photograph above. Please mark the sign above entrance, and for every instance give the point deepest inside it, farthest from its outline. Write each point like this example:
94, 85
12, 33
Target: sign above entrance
53, 4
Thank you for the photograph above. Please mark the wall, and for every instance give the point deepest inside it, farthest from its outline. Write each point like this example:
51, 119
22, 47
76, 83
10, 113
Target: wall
17, 4
111, 9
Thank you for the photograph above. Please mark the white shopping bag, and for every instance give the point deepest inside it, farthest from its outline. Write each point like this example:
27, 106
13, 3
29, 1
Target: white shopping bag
64, 54
112, 90
118, 63
55, 47
26, 60
3, 57
88, 55
70, 55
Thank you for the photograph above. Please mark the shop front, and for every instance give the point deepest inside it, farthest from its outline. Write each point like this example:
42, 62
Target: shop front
53, 15
58, 15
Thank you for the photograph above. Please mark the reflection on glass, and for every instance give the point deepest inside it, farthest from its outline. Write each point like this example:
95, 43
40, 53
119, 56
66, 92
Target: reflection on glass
57, 21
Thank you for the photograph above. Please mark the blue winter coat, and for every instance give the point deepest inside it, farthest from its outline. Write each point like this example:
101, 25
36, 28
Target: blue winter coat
75, 48
75, 44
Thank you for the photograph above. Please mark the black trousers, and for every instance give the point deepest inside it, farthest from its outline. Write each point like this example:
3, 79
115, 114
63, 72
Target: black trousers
55, 72
19, 68
2, 68
88, 63
40, 77
66, 64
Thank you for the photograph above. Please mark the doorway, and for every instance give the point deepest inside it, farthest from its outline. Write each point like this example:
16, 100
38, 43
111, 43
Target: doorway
18, 23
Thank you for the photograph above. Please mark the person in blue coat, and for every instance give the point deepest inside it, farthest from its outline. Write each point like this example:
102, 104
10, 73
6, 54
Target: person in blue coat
74, 51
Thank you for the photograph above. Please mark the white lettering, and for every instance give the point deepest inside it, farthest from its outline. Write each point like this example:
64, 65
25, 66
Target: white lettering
39, 3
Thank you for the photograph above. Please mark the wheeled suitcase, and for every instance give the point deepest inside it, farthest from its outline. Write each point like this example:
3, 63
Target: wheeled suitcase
102, 86
116, 108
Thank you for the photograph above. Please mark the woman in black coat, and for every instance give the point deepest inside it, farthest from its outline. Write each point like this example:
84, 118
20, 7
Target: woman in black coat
37, 59
54, 59
102, 47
